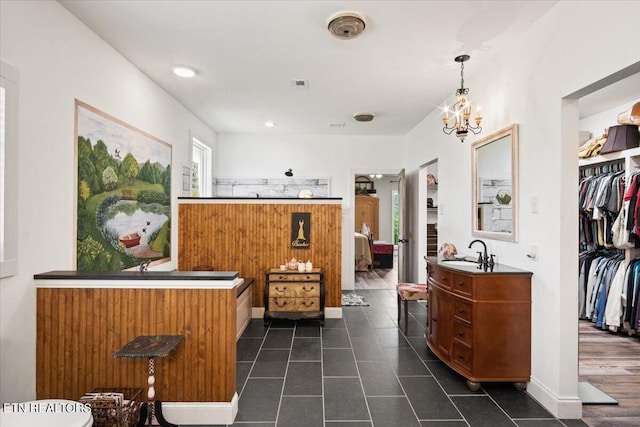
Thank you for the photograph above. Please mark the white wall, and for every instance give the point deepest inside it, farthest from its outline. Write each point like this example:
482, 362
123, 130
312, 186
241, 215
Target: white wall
559, 55
339, 158
59, 59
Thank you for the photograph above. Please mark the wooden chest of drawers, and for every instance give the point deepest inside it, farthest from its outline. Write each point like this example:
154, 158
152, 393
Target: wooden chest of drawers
294, 295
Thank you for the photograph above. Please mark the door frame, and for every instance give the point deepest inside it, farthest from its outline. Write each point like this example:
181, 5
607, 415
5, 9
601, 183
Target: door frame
348, 217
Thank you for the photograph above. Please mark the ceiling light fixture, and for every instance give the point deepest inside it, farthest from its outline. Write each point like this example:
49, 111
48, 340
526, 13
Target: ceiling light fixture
183, 71
269, 124
363, 117
376, 175
346, 25
461, 110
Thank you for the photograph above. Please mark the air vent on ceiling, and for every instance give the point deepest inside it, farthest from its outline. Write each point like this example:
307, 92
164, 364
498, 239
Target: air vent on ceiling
300, 84
337, 124
346, 25
363, 117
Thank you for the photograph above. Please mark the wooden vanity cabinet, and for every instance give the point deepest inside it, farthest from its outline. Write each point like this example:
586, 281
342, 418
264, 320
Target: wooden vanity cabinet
479, 324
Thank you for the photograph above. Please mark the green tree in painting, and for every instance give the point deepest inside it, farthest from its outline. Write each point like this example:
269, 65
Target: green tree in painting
150, 173
84, 191
86, 169
129, 168
166, 180
102, 159
109, 178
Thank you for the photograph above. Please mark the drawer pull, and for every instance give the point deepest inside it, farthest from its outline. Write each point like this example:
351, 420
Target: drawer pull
304, 288
461, 356
460, 283
445, 279
309, 304
285, 302
434, 319
281, 289
460, 334
461, 311
282, 277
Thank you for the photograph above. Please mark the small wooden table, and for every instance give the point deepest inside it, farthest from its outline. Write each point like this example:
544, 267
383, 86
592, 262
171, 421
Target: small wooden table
151, 346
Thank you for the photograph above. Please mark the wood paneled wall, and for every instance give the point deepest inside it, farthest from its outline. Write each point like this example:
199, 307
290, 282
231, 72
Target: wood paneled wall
249, 238
78, 330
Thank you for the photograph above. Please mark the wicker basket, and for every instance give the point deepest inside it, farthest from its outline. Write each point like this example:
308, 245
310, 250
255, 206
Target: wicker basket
107, 413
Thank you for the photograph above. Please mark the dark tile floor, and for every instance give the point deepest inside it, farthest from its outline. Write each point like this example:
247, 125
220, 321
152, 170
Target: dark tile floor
361, 370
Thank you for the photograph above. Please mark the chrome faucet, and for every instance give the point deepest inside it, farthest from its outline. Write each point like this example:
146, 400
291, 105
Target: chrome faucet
145, 265
483, 258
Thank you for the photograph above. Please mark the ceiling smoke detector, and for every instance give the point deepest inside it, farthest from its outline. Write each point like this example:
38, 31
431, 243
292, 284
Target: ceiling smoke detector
363, 117
346, 25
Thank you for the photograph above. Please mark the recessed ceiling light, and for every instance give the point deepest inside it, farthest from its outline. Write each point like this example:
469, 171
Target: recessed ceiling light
183, 71
269, 124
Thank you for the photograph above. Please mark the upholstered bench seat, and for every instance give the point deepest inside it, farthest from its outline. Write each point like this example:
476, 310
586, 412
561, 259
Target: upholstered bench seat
409, 292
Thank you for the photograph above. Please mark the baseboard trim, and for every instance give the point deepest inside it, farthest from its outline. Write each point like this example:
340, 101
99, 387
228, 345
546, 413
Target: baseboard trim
329, 312
208, 413
565, 407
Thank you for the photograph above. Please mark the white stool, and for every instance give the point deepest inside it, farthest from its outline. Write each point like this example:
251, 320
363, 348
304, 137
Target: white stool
49, 412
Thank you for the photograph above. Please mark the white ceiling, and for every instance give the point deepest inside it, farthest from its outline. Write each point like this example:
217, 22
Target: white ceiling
247, 53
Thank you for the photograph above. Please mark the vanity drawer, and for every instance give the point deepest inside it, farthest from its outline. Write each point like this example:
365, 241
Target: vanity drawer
462, 332
462, 284
462, 310
298, 277
462, 356
294, 290
439, 275
294, 304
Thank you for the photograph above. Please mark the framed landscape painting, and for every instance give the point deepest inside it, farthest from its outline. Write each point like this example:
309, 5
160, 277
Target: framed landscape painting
123, 194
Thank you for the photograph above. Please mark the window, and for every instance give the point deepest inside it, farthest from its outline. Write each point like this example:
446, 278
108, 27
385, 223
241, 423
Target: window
200, 169
8, 170
395, 214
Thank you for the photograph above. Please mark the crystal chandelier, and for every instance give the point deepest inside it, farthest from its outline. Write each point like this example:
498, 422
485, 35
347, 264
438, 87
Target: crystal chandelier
461, 110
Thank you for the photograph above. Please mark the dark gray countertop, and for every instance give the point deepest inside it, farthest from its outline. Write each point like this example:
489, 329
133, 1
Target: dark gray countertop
497, 268
137, 275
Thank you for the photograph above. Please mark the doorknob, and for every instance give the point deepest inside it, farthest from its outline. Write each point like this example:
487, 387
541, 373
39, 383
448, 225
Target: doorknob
403, 240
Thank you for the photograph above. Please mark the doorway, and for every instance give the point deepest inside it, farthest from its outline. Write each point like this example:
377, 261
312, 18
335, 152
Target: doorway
381, 270
608, 366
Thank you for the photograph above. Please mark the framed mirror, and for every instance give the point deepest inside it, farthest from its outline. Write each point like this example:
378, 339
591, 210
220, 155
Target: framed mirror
495, 185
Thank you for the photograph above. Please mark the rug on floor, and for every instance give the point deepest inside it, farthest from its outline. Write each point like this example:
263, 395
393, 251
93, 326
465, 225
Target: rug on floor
353, 299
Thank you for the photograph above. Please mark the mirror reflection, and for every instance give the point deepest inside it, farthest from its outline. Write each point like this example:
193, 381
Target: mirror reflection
495, 185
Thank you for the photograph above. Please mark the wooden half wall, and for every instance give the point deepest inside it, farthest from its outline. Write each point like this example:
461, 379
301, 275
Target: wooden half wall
79, 329
250, 236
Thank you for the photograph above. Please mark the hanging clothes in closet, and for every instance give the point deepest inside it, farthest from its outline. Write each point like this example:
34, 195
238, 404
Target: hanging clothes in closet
601, 192
610, 291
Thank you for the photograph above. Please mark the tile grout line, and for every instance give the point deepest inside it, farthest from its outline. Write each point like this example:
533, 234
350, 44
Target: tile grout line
429, 370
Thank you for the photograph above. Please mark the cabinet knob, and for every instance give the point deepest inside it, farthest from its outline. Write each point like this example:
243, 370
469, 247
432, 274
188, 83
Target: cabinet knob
460, 311
445, 279
460, 334
434, 319
461, 357
460, 283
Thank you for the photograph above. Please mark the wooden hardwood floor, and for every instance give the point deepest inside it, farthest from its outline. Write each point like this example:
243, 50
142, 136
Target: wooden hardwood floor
611, 362
379, 278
